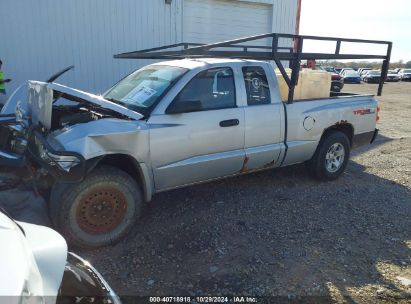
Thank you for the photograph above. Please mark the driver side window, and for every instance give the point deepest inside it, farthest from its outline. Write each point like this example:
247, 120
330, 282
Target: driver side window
209, 90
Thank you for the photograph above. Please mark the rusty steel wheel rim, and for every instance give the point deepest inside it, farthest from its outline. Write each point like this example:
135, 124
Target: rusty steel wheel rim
101, 209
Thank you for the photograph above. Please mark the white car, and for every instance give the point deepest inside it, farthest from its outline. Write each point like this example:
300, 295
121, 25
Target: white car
405, 74
363, 70
392, 76
37, 268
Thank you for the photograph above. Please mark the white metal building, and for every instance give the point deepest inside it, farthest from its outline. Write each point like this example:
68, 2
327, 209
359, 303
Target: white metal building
43, 36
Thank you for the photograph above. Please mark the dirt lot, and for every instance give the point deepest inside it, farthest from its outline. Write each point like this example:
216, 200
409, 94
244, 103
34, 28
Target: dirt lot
280, 233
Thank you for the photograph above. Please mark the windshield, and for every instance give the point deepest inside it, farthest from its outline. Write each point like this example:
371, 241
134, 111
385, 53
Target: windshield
351, 73
406, 71
143, 88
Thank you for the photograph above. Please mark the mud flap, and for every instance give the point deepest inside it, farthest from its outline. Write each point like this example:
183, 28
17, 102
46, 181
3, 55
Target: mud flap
374, 136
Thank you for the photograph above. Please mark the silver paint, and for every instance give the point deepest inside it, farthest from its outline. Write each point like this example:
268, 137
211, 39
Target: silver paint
175, 150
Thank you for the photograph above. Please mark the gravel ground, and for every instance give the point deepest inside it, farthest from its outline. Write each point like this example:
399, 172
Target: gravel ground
279, 233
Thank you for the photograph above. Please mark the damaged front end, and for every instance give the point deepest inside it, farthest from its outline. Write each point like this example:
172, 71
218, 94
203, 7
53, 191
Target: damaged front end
23, 142
42, 127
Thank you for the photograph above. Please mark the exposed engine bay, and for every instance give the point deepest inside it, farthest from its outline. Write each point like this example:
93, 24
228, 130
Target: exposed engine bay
69, 111
53, 127
66, 110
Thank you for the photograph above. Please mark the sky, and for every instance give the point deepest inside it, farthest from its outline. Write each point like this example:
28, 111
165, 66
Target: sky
388, 20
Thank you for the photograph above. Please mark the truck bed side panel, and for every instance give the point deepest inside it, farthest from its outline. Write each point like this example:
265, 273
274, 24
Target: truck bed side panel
307, 121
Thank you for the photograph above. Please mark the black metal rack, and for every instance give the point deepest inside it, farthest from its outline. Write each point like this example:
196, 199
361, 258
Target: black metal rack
237, 49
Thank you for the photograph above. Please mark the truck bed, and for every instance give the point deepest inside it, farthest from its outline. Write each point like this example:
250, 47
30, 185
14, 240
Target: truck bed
306, 121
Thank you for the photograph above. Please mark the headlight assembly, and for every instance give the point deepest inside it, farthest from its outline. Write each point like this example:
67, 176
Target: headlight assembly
65, 162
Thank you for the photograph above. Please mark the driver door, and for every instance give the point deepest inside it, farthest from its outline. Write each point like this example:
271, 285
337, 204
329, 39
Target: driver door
201, 134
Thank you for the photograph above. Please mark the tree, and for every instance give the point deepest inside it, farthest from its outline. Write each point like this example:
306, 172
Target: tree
408, 64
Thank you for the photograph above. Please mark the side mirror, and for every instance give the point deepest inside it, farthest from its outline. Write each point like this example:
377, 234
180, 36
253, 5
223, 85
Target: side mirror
184, 106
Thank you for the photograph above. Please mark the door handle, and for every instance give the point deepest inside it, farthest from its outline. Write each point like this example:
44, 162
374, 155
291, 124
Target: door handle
229, 123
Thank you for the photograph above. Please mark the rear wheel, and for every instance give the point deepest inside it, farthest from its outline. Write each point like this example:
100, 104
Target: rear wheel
98, 211
331, 157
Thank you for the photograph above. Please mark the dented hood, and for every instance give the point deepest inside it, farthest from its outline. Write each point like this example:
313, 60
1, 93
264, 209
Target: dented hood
35, 99
95, 99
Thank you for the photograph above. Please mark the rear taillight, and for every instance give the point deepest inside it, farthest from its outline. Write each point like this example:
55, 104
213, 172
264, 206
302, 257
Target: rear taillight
377, 118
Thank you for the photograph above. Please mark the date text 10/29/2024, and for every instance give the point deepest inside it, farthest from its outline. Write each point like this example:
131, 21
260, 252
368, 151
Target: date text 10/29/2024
207, 299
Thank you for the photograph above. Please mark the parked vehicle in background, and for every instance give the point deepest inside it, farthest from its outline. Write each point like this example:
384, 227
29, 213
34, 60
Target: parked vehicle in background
372, 76
350, 76
328, 69
36, 268
363, 73
362, 70
392, 76
346, 69
405, 74
337, 81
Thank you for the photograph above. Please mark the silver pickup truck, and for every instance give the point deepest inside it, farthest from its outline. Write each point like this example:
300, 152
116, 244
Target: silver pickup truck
170, 125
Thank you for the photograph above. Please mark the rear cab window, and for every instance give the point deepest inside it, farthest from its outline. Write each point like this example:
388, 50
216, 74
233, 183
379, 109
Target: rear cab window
256, 85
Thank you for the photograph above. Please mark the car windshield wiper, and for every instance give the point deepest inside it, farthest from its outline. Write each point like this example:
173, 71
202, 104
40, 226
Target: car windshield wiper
117, 101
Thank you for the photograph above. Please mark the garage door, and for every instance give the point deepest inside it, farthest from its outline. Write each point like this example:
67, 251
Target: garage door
207, 21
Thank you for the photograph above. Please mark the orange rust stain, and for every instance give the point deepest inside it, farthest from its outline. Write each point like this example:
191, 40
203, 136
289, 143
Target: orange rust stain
270, 164
244, 167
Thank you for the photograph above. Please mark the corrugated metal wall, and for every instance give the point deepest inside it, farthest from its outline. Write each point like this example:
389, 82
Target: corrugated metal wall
41, 37
284, 16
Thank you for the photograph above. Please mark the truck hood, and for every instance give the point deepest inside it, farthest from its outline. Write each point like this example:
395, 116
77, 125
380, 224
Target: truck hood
95, 99
35, 99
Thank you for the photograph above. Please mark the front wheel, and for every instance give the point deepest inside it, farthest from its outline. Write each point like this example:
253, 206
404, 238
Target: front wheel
331, 157
98, 211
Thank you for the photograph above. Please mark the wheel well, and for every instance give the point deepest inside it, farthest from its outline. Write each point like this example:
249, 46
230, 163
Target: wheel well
345, 128
128, 165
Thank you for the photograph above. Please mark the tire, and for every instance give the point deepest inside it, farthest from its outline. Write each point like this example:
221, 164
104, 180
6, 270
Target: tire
98, 211
325, 165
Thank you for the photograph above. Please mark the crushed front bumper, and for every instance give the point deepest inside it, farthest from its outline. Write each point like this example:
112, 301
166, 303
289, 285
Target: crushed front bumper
21, 146
9, 157
63, 165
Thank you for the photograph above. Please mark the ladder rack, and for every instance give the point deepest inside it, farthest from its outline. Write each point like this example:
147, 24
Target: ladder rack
239, 48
